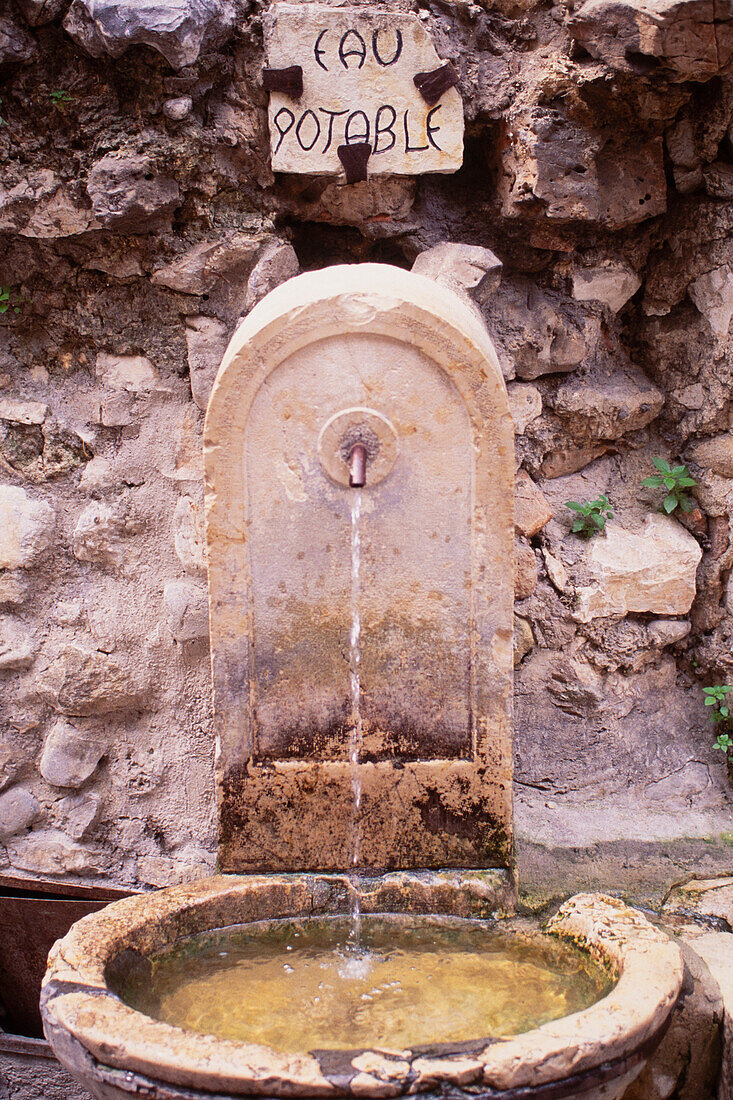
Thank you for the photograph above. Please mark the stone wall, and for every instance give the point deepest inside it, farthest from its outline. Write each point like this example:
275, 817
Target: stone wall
139, 219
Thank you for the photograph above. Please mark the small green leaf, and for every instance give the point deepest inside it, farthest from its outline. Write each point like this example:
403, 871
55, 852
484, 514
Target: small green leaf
686, 504
669, 503
724, 712
578, 526
662, 465
574, 505
687, 482
710, 701
653, 482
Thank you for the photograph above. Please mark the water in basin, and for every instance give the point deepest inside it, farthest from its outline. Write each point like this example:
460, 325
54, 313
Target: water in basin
411, 982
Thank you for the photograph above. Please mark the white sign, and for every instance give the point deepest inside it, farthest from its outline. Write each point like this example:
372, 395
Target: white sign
358, 69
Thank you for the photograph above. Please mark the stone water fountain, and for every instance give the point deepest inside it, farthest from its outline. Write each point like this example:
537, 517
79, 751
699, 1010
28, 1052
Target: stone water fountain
361, 643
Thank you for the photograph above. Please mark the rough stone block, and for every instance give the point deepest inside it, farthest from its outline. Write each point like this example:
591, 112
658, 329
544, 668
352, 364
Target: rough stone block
525, 570
714, 454
652, 570
680, 39
189, 536
16, 45
70, 755
207, 340
531, 510
525, 405
187, 610
178, 29
200, 268
84, 683
712, 293
26, 528
523, 639
79, 813
130, 373
23, 412
18, 810
128, 194
276, 263
606, 404
99, 535
17, 647
612, 283
52, 852
465, 267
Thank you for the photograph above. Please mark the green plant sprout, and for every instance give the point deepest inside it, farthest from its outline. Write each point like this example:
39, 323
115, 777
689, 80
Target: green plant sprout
675, 479
58, 98
591, 516
2, 120
717, 698
8, 300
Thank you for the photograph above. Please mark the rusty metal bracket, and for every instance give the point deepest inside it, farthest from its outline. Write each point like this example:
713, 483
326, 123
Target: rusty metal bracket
354, 159
433, 84
288, 81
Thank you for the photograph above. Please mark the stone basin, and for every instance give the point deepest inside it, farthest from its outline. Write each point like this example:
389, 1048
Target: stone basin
117, 1052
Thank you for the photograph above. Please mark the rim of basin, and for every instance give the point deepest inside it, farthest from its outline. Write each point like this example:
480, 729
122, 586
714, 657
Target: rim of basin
92, 1030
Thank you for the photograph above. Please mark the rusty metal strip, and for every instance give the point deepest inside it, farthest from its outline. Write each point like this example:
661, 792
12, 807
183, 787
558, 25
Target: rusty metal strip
288, 81
354, 159
432, 85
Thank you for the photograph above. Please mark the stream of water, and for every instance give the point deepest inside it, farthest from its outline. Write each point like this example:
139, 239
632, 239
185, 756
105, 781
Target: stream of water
355, 737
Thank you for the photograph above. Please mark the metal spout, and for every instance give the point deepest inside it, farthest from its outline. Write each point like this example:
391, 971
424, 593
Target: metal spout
357, 466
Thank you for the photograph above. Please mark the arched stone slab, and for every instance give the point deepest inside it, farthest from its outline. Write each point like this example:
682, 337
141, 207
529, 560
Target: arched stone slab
436, 593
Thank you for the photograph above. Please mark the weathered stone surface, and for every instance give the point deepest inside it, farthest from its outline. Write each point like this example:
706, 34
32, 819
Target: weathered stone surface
26, 528
51, 852
714, 454
531, 510
206, 339
606, 404
178, 29
188, 864
99, 535
18, 810
376, 61
128, 373
463, 267
16, 45
187, 610
612, 283
712, 293
652, 570
128, 194
525, 405
276, 263
17, 647
569, 460
70, 755
80, 682
686, 39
